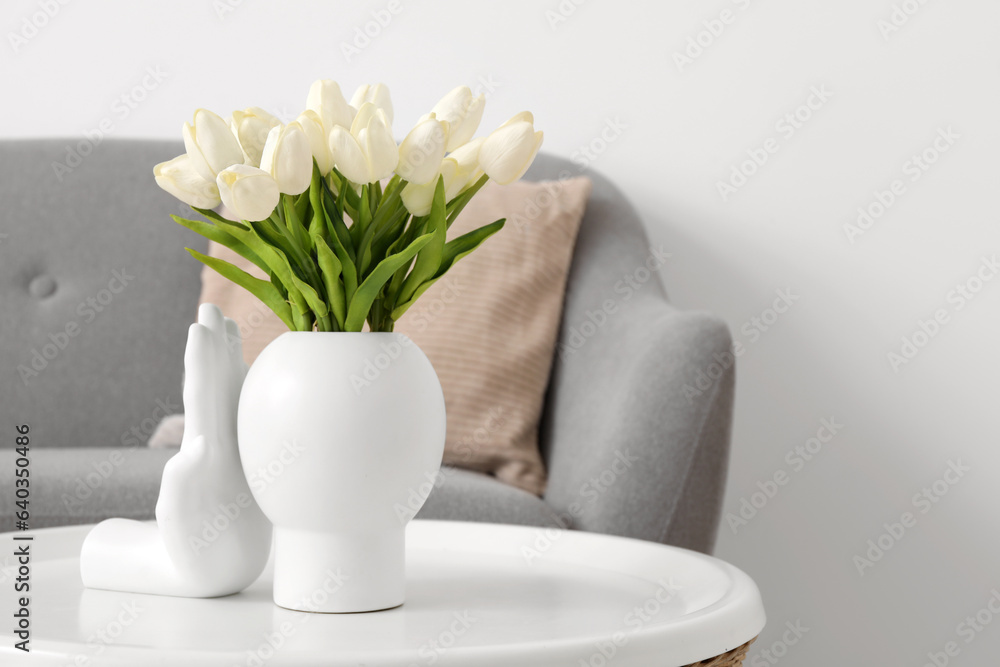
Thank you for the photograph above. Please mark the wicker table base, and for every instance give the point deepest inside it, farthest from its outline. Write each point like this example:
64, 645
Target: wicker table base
733, 658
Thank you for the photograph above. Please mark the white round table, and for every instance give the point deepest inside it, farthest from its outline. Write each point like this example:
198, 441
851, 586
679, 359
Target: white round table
477, 595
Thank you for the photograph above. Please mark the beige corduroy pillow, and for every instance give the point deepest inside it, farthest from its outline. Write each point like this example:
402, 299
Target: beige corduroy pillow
489, 326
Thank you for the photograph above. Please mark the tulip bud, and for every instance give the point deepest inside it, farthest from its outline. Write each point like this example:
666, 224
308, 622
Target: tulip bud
377, 95
380, 146
422, 150
510, 149
460, 170
319, 144
179, 178
251, 127
418, 198
288, 158
248, 192
210, 143
326, 100
348, 156
466, 159
368, 152
462, 112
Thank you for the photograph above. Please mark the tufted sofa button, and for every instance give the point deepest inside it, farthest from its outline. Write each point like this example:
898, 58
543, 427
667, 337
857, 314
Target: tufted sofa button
42, 286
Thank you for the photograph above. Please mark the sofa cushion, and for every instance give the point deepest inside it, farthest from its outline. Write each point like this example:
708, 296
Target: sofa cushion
463, 495
80, 485
74, 485
97, 291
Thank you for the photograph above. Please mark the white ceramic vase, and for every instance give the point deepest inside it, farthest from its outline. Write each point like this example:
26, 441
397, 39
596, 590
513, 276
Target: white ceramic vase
338, 432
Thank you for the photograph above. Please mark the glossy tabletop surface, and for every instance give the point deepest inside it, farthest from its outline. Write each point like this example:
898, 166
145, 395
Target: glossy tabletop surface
477, 595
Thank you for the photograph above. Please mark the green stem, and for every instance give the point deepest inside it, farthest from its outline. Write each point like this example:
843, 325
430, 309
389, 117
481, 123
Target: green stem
461, 200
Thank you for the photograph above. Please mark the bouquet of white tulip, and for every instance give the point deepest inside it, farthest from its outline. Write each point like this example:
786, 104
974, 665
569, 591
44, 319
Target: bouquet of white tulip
340, 247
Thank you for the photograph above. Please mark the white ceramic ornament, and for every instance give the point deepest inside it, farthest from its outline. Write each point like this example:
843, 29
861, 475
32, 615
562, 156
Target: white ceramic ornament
210, 537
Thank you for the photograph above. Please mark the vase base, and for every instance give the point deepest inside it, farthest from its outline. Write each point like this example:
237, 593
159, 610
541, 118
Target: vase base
359, 611
339, 573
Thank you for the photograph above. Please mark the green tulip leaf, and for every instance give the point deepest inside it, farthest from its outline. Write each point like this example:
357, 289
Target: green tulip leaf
345, 258
335, 217
338, 255
269, 232
222, 237
461, 246
388, 217
331, 269
456, 205
454, 251
296, 230
362, 231
301, 205
389, 233
277, 262
347, 199
258, 239
368, 290
388, 201
312, 298
261, 289
255, 235
429, 260
317, 223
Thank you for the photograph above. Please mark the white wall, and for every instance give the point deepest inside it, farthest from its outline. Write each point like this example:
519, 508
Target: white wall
684, 129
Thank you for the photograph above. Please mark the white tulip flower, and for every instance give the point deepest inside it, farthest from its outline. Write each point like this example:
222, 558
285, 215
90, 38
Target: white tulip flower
368, 152
377, 95
179, 178
326, 100
510, 149
312, 125
466, 159
250, 127
422, 150
248, 192
418, 198
210, 143
460, 170
288, 158
462, 112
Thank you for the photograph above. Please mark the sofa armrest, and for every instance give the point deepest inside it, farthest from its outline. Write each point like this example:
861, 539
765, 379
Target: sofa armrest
638, 420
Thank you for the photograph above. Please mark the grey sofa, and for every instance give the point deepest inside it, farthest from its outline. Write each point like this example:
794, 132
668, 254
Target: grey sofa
98, 292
